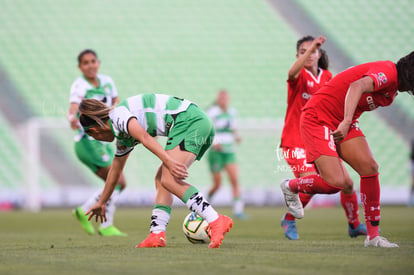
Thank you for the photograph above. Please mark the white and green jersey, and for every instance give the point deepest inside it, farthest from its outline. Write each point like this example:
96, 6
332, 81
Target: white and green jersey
154, 112
81, 88
225, 125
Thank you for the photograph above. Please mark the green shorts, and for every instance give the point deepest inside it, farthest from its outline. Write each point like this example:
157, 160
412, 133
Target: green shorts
94, 153
218, 160
193, 131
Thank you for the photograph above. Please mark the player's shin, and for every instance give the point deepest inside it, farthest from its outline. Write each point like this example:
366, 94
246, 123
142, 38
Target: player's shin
111, 207
312, 184
350, 204
160, 218
370, 197
196, 202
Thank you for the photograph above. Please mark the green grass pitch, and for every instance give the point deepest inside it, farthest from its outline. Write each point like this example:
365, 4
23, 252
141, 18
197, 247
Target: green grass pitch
51, 242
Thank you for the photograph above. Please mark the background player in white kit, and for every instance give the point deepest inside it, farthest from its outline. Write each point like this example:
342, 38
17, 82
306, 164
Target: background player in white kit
96, 155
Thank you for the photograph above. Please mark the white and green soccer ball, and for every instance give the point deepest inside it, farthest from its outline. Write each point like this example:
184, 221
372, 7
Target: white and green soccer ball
195, 229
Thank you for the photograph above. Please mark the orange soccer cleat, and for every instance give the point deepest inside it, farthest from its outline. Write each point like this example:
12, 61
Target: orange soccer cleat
218, 229
154, 240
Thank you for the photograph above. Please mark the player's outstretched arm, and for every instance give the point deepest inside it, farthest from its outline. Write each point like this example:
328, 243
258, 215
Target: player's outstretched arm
98, 210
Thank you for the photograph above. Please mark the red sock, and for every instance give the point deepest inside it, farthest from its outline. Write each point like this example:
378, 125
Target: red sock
350, 205
312, 184
304, 198
370, 197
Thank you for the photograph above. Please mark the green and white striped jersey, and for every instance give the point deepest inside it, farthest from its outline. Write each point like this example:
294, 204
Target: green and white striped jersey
154, 112
225, 124
81, 89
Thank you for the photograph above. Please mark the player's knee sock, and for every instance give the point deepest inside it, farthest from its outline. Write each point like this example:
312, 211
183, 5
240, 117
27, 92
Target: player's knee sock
312, 184
160, 218
197, 203
91, 201
350, 204
238, 205
305, 199
370, 197
111, 207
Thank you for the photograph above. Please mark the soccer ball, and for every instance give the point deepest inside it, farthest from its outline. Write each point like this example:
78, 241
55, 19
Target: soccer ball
195, 229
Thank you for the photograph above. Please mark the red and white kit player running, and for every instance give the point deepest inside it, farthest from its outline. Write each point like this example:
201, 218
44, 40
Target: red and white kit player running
306, 76
329, 134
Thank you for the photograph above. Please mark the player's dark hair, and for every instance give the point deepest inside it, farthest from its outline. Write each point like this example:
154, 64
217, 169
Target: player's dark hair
302, 40
86, 51
405, 70
323, 61
93, 111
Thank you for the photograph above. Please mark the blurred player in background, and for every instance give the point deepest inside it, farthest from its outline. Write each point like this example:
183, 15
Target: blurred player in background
330, 133
222, 154
189, 132
96, 155
307, 75
411, 197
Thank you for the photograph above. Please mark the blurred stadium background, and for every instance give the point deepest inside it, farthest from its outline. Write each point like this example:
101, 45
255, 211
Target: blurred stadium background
190, 49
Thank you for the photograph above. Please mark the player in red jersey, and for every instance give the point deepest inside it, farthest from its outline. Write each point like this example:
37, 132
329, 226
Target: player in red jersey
306, 76
329, 133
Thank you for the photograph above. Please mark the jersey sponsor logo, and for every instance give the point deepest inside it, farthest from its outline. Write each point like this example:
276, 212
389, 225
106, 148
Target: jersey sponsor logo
305, 95
371, 103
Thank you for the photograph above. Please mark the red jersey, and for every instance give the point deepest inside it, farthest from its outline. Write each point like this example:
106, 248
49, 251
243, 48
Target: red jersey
300, 91
329, 101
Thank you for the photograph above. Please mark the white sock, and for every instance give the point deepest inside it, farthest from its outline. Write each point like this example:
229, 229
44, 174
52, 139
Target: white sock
110, 209
91, 201
238, 206
159, 221
202, 207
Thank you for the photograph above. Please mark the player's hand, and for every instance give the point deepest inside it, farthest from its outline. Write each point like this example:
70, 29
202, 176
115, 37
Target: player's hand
73, 121
317, 42
178, 170
98, 210
75, 124
340, 133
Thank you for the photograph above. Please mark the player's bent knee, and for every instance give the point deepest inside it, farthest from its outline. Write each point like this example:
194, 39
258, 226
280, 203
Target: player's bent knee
368, 168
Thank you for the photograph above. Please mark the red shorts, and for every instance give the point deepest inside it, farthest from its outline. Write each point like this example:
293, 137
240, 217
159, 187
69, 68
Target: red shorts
296, 158
317, 136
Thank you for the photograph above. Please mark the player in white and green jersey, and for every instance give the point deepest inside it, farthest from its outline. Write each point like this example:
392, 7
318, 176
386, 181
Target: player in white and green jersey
96, 155
222, 153
189, 133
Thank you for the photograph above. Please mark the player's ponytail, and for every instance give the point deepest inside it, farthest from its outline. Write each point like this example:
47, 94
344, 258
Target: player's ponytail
93, 111
323, 61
